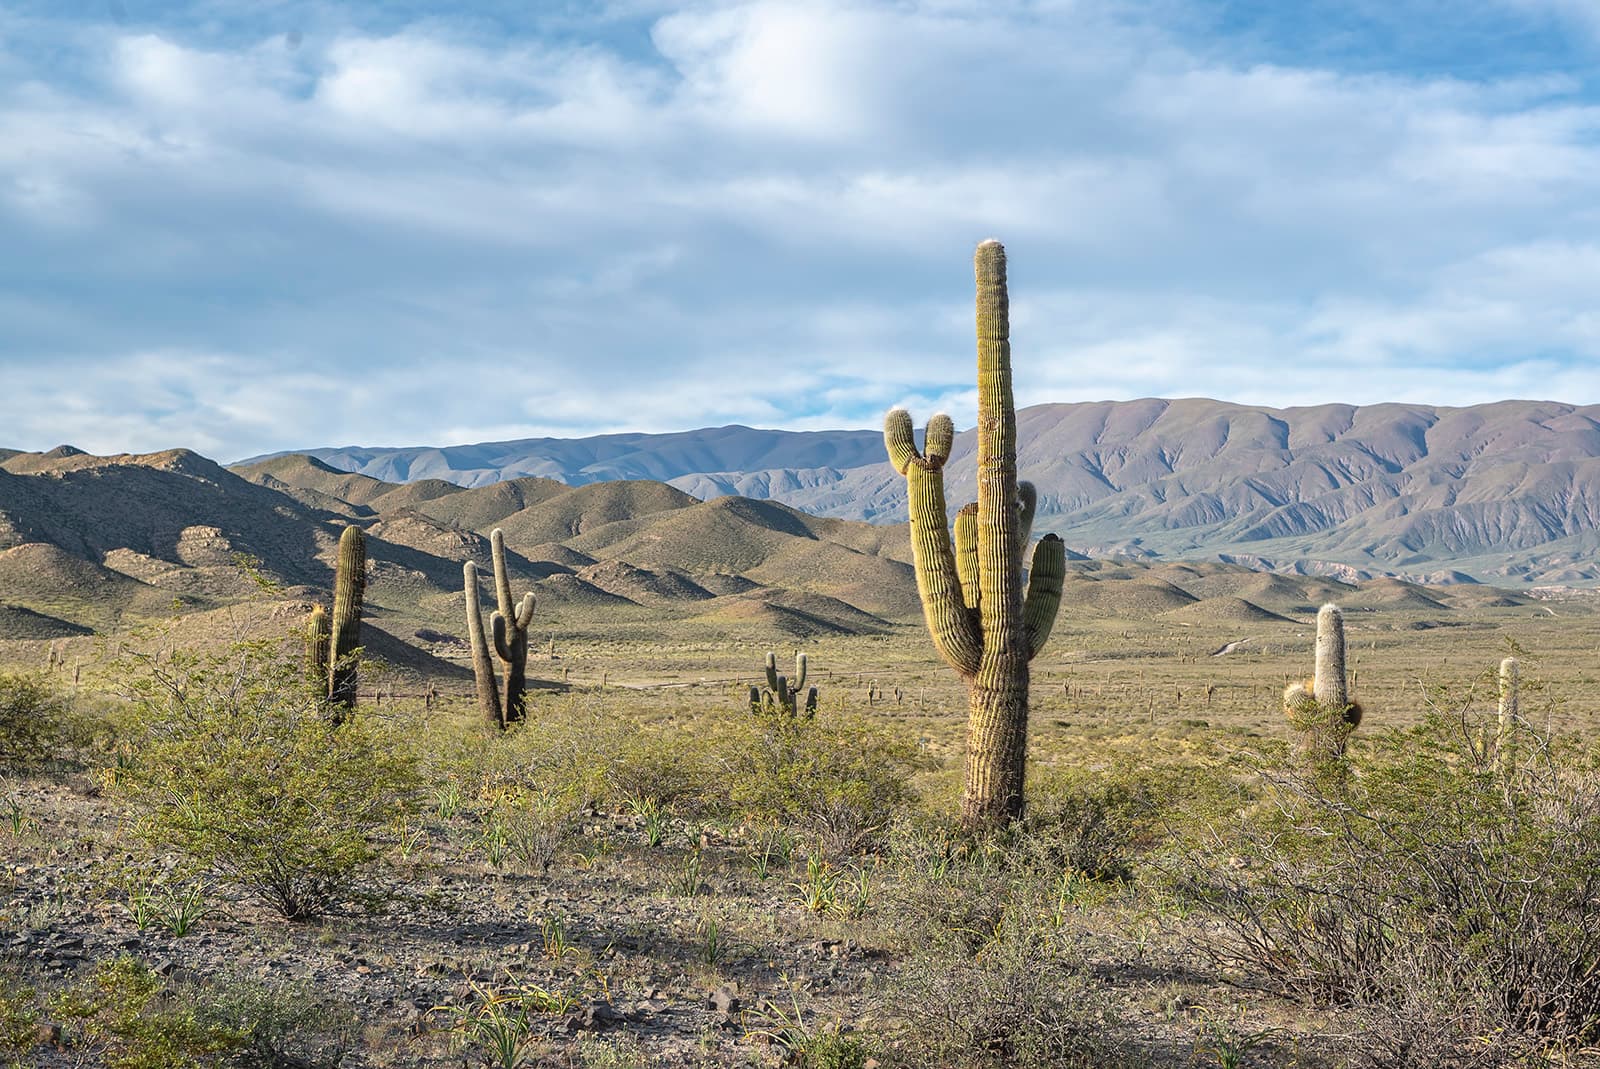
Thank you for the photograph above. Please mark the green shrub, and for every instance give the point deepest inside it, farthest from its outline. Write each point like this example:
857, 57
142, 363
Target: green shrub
838, 783
234, 764
1455, 906
121, 1013
34, 720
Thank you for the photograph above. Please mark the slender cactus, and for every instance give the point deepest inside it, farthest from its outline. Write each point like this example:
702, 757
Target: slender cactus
1320, 708
508, 627
1505, 741
982, 621
318, 632
482, 666
349, 587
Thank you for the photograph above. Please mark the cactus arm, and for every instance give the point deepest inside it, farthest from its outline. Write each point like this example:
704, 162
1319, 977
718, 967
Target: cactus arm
1027, 504
899, 440
798, 683
938, 439
497, 631
525, 611
1331, 689
755, 700
772, 672
502, 578
349, 587
318, 632
1300, 707
1043, 600
967, 553
482, 667
811, 703
954, 632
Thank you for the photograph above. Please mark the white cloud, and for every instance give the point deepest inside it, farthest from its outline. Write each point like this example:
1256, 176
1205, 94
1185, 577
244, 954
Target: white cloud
761, 212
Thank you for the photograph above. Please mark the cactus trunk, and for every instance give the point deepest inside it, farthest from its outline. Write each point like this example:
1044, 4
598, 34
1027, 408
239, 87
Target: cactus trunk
482, 667
349, 586
973, 592
1321, 709
1505, 742
510, 628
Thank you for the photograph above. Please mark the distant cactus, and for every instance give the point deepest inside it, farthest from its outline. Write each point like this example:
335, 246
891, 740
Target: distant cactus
332, 642
1320, 708
509, 628
981, 620
783, 693
1505, 742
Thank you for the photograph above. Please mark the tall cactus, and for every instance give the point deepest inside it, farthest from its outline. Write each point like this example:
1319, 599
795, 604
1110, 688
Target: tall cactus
509, 625
783, 692
331, 643
1320, 708
981, 620
509, 628
1505, 742
482, 666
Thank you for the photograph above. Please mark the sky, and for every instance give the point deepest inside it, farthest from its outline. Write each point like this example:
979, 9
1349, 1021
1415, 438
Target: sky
243, 226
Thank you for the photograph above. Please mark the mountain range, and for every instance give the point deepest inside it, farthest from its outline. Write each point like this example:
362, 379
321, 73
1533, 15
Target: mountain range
93, 547
1506, 492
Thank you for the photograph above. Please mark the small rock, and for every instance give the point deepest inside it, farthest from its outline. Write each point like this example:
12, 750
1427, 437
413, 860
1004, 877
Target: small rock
724, 1000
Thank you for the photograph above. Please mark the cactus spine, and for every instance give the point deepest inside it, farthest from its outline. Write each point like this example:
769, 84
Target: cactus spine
1320, 708
344, 629
1505, 742
783, 692
981, 621
509, 629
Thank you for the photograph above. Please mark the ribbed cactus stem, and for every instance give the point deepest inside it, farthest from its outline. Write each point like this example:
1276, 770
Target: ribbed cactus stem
1331, 689
973, 592
350, 583
967, 553
1505, 745
482, 666
319, 631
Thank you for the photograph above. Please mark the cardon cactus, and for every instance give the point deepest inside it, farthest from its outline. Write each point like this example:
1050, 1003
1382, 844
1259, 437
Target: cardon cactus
1505, 742
1320, 708
331, 643
982, 620
783, 692
509, 629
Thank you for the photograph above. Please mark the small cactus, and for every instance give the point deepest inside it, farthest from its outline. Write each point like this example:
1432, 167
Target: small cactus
1505, 741
1320, 708
509, 629
783, 692
332, 642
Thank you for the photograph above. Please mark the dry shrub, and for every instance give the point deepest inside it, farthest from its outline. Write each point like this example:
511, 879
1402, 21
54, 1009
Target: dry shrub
1454, 905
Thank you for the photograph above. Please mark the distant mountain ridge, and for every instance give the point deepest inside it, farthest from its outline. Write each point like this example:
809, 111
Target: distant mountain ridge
1498, 492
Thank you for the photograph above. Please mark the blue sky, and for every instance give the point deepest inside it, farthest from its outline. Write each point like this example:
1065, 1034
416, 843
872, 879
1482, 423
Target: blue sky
250, 225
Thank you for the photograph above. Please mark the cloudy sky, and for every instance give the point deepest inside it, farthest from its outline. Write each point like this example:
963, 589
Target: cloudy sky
251, 225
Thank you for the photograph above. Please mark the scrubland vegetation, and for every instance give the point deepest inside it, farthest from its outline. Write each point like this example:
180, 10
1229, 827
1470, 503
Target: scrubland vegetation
203, 870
